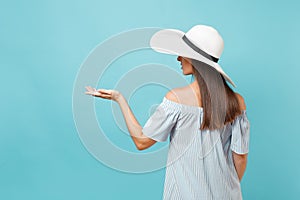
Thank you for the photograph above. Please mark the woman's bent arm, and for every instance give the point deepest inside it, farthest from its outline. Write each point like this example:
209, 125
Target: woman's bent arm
240, 162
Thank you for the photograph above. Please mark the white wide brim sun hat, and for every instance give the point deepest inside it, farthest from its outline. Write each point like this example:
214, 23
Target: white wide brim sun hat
201, 42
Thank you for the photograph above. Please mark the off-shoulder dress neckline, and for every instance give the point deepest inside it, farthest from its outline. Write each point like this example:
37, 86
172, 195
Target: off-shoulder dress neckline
183, 105
189, 107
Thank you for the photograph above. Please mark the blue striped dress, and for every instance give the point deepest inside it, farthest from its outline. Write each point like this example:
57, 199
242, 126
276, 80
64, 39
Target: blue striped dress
199, 164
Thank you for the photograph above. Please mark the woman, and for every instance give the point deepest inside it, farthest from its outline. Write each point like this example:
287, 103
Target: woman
206, 121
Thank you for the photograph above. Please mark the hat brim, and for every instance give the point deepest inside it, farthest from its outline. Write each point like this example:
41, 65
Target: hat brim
169, 41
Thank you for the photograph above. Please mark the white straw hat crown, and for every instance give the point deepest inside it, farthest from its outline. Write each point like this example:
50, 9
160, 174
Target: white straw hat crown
201, 42
206, 38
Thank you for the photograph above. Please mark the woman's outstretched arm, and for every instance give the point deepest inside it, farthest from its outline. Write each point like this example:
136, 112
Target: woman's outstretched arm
135, 129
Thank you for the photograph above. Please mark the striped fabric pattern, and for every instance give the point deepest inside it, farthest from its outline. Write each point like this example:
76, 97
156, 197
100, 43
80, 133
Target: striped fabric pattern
200, 164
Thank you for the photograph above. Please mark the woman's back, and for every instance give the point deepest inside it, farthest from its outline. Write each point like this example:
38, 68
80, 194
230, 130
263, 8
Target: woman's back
190, 95
200, 163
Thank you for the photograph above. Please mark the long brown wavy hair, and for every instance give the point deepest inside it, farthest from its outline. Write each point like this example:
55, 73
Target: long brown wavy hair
220, 103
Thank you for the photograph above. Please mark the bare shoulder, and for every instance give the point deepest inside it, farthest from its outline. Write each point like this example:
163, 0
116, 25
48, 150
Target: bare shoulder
241, 101
173, 94
183, 95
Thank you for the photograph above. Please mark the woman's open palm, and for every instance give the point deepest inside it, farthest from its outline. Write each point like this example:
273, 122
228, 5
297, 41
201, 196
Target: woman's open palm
103, 93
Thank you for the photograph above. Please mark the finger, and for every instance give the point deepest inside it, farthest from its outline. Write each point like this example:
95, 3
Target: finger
93, 89
106, 96
89, 88
101, 90
104, 91
89, 93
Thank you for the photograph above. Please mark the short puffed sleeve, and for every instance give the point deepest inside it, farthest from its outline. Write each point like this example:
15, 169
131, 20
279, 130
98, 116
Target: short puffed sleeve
161, 122
240, 134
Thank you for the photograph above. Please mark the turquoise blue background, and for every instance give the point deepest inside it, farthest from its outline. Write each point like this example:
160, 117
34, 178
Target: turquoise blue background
43, 44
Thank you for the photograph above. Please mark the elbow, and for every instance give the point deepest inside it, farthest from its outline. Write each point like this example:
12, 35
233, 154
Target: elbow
143, 143
139, 143
140, 146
